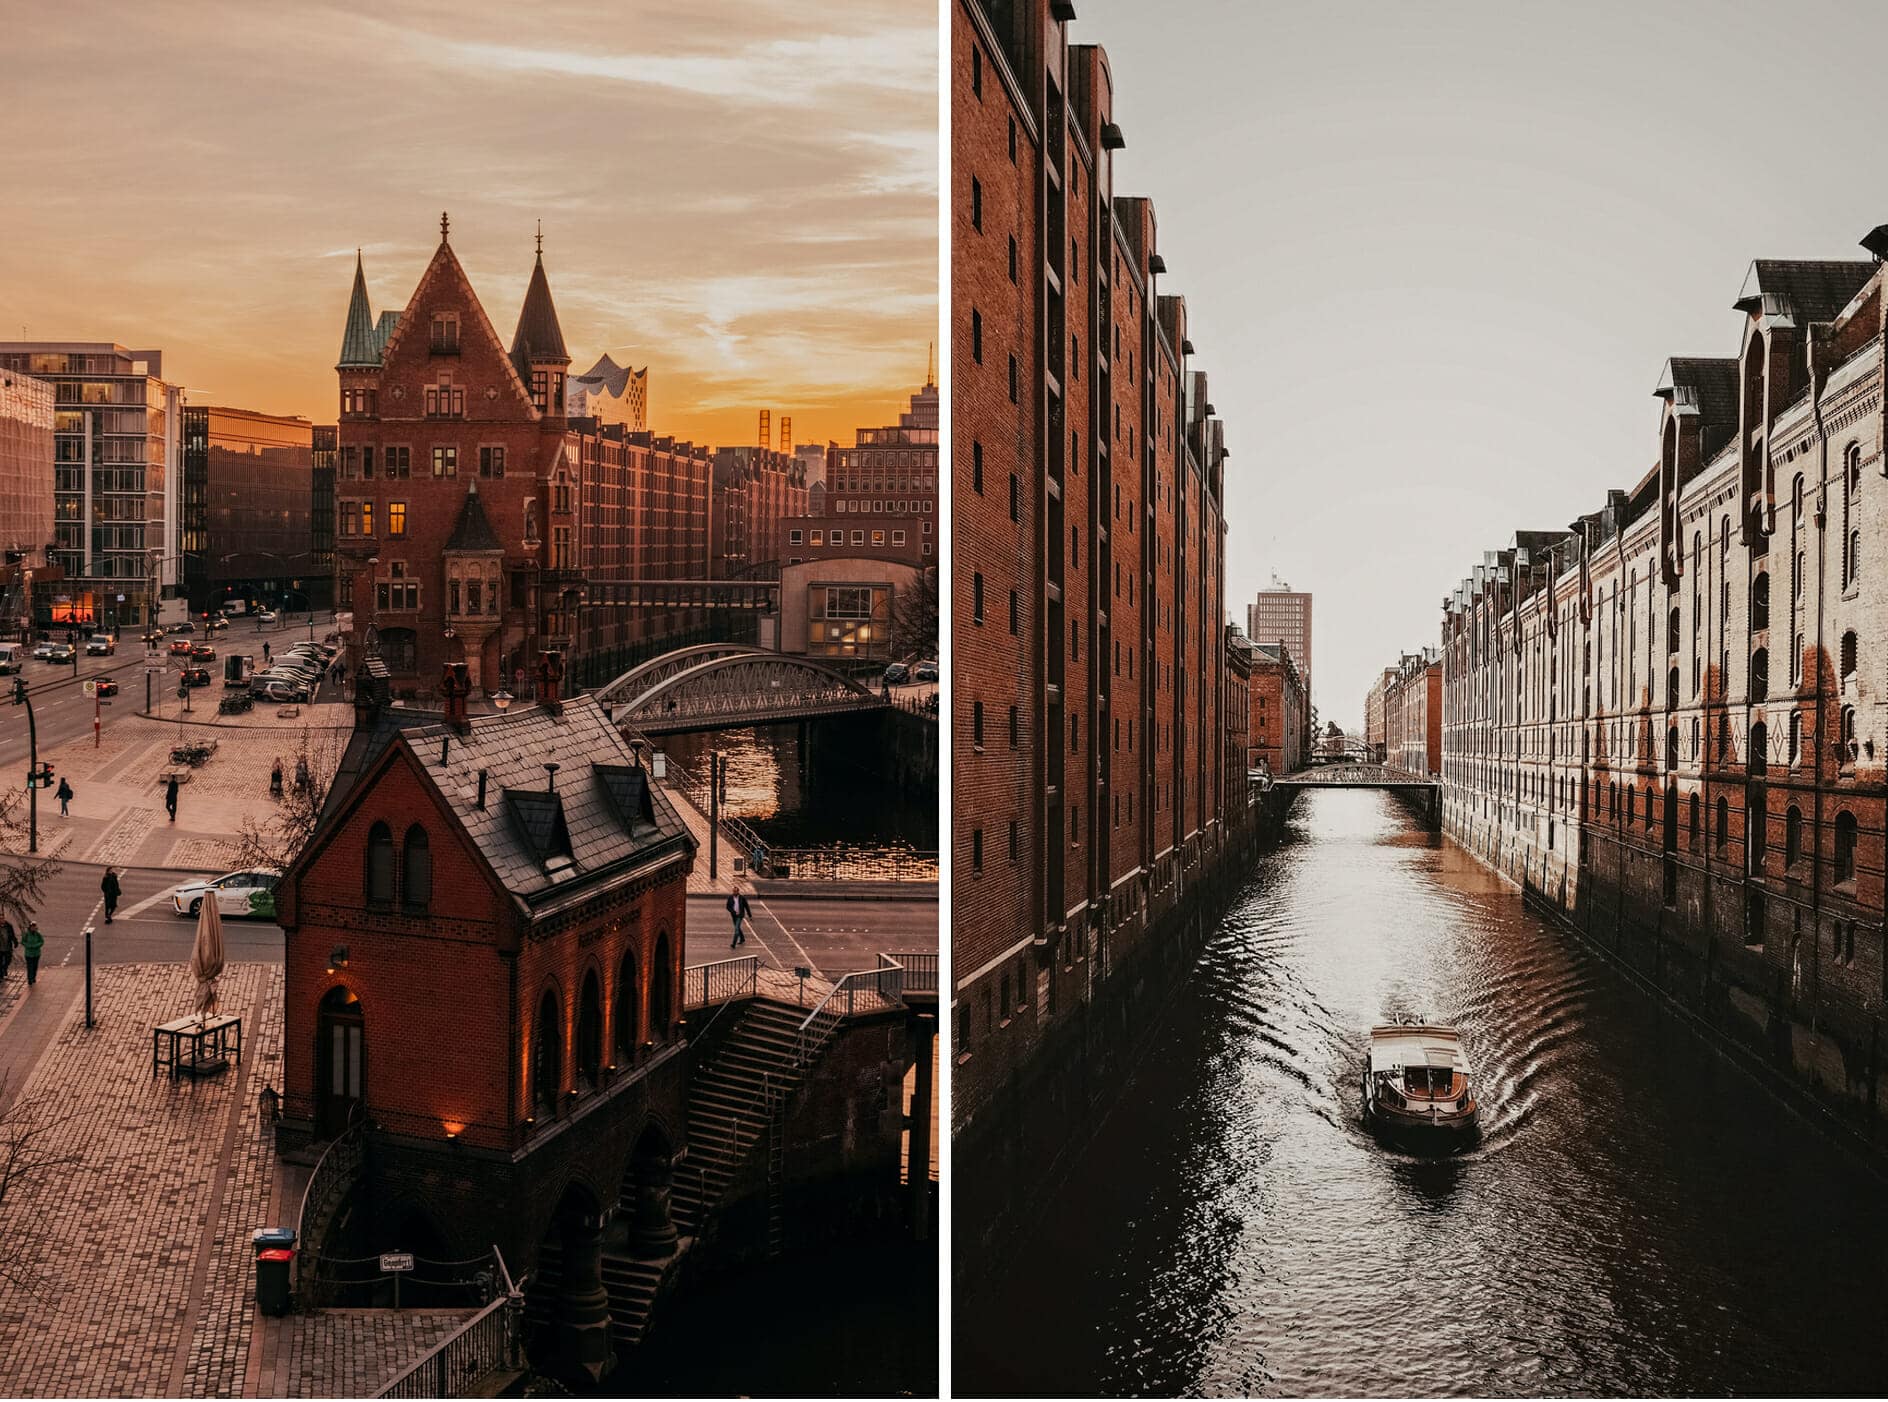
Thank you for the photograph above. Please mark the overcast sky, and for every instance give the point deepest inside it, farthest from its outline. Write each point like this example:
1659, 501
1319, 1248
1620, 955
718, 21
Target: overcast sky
739, 193
1435, 255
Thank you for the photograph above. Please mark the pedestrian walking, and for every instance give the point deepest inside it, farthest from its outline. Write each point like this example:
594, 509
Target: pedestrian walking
302, 779
109, 886
738, 909
265, 652
30, 947
170, 797
275, 779
64, 795
9, 941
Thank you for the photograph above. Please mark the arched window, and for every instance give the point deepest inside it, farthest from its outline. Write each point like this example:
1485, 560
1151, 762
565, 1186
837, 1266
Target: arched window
628, 1018
661, 991
416, 871
1760, 601
1672, 634
380, 865
1792, 836
547, 1055
1724, 822
1796, 738
1845, 847
1693, 836
1848, 658
1760, 674
1757, 828
1671, 750
1759, 756
590, 1033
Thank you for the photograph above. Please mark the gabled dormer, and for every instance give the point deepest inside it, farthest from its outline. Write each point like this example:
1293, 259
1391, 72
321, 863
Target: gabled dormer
1699, 417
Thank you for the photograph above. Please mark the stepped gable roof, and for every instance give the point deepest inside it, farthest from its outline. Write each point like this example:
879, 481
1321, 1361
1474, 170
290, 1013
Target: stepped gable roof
1814, 291
538, 336
613, 377
473, 530
1709, 385
360, 347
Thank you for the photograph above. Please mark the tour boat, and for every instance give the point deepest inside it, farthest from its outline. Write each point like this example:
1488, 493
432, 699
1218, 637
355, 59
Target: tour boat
1418, 1088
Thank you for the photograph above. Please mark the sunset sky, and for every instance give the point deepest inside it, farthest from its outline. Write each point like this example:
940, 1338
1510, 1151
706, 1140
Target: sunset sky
742, 196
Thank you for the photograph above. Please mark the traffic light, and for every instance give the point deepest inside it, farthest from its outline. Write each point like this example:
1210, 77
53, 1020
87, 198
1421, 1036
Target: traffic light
19, 691
45, 776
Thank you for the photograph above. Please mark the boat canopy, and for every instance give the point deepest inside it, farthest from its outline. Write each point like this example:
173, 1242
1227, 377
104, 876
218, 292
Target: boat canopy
1396, 1047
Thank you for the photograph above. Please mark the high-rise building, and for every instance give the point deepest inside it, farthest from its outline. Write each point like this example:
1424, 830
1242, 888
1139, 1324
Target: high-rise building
26, 500
880, 497
117, 426
246, 518
1280, 615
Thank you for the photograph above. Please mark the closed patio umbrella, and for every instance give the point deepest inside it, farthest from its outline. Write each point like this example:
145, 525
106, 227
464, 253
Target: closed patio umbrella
206, 957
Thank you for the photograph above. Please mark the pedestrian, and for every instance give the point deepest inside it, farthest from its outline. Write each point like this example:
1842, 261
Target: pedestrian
64, 795
275, 779
738, 909
265, 652
112, 890
302, 780
9, 942
170, 797
30, 947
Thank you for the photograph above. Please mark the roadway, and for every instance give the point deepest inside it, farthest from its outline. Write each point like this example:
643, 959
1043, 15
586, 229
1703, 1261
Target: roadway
834, 936
62, 711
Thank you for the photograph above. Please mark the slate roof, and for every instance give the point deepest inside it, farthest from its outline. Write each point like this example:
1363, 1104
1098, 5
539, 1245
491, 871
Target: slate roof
473, 531
359, 345
1815, 291
1710, 383
538, 336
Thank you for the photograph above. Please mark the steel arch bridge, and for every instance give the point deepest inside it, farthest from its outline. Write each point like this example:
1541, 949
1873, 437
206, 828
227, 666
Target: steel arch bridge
724, 686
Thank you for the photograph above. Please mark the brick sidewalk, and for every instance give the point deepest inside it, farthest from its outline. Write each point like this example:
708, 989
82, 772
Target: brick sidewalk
141, 1249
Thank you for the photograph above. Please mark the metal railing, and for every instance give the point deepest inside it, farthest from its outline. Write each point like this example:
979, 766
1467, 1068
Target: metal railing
920, 971
746, 841
862, 991
822, 864
335, 1173
490, 1341
725, 980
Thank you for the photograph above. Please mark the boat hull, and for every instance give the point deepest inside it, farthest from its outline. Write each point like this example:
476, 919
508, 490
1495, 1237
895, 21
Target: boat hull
1423, 1133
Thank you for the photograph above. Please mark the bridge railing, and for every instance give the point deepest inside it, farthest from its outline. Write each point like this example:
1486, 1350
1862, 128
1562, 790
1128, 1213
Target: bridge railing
823, 864
724, 981
490, 1342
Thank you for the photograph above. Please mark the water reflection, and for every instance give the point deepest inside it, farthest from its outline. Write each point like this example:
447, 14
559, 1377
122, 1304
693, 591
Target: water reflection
1636, 1218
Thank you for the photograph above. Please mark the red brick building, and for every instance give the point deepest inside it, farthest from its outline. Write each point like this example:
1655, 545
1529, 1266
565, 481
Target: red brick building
879, 497
482, 971
1666, 719
445, 432
1412, 713
755, 491
1089, 659
1279, 734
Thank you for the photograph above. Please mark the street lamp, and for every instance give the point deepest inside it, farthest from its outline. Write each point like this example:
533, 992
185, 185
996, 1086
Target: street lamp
502, 699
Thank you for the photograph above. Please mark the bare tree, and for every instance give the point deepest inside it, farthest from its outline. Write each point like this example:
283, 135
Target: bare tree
29, 1151
914, 617
306, 776
22, 878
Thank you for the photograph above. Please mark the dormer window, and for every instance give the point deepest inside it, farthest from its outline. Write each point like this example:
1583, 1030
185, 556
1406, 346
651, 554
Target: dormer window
445, 337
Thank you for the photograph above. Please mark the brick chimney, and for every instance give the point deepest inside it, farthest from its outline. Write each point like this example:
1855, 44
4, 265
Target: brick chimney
550, 673
371, 692
455, 685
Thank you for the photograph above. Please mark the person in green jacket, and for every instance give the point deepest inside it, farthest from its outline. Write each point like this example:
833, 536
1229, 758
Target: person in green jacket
30, 947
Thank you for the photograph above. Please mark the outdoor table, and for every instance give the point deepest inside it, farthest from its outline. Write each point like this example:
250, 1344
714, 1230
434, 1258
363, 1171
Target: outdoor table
195, 1047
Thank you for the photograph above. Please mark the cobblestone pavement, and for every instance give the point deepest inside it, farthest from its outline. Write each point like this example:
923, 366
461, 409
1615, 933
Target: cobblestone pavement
139, 1247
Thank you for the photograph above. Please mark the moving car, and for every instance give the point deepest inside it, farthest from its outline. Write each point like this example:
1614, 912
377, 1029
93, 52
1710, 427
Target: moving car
107, 687
100, 645
203, 652
62, 653
11, 657
924, 672
897, 674
267, 616
216, 623
180, 647
196, 676
248, 893
43, 649
154, 637
185, 627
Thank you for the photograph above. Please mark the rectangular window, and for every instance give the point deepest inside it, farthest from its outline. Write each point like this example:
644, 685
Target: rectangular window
1015, 499
367, 518
898, 537
878, 537
976, 72
446, 460
350, 463
976, 851
367, 460
399, 463
1015, 383
976, 724
976, 599
396, 518
1015, 615
1012, 257
976, 204
858, 537
976, 336
445, 337
445, 402
350, 518
819, 538
491, 462
795, 538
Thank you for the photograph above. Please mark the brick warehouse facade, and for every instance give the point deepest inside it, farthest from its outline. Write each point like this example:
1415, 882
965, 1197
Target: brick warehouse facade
1410, 703
1095, 801
471, 510
1666, 722
1279, 727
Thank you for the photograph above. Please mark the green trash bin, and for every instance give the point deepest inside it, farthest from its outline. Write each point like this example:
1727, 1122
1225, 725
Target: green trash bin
275, 1261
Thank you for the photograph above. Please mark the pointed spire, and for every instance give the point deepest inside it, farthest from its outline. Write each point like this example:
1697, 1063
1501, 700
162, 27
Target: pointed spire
539, 339
930, 364
360, 348
445, 226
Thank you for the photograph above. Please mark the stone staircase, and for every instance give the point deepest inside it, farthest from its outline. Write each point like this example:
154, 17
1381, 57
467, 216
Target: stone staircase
735, 1103
632, 1283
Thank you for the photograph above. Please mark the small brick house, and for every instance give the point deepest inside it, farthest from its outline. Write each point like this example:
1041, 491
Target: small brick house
484, 954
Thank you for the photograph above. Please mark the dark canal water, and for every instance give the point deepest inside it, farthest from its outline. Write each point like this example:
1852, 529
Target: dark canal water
1639, 1218
832, 795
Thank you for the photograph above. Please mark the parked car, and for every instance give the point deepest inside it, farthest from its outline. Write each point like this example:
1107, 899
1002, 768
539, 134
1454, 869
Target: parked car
924, 672
196, 676
62, 654
266, 616
100, 645
107, 687
248, 893
281, 689
897, 674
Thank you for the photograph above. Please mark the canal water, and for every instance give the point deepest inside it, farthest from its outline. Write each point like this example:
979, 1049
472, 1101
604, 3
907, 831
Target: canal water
829, 796
1639, 1218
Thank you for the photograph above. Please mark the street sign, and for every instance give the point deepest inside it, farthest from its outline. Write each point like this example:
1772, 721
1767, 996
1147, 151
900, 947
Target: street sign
89, 687
396, 1261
